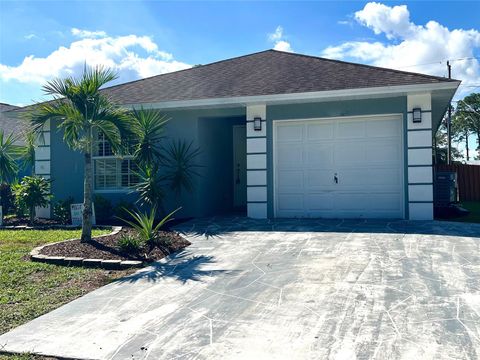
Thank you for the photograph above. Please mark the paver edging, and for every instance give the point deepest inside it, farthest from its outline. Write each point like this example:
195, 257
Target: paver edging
48, 227
85, 262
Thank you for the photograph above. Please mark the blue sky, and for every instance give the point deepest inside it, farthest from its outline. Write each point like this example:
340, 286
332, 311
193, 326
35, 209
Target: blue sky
187, 33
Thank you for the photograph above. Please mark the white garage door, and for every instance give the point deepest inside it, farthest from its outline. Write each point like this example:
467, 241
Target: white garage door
341, 168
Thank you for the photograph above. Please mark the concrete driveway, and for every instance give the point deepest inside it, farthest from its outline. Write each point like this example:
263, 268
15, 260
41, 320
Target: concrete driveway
286, 289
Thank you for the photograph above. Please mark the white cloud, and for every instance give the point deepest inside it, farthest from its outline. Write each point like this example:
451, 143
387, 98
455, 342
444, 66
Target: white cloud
412, 47
277, 35
392, 21
282, 45
30, 37
88, 34
279, 40
131, 55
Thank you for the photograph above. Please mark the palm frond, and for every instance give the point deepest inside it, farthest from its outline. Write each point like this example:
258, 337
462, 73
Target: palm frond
27, 152
8, 153
150, 188
180, 163
148, 127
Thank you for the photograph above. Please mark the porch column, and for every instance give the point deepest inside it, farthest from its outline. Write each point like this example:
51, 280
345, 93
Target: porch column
42, 164
256, 163
419, 156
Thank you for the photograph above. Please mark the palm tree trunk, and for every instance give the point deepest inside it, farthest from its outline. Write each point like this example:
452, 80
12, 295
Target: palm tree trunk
87, 199
32, 215
478, 145
466, 146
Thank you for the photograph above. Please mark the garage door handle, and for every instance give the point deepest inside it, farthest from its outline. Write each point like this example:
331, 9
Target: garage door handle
335, 178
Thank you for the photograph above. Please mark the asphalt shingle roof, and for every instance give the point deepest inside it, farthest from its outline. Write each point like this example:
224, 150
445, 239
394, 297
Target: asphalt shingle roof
263, 73
8, 123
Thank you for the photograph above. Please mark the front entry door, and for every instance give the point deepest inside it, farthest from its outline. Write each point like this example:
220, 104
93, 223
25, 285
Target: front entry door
239, 167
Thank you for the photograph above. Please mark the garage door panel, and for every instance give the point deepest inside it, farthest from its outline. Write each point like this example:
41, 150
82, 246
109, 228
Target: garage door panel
350, 129
365, 153
347, 154
319, 202
290, 133
384, 202
383, 128
319, 180
289, 202
319, 156
372, 177
383, 152
290, 155
290, 179
350, 201
320, 131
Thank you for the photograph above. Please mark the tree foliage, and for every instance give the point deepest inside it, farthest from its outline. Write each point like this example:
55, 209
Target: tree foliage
31, 192
466, 119
9, 152
440, 149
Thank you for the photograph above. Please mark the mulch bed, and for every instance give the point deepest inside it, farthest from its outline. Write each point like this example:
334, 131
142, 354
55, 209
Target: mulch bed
106, 247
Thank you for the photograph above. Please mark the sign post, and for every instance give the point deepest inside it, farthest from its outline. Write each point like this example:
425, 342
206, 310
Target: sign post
76, 211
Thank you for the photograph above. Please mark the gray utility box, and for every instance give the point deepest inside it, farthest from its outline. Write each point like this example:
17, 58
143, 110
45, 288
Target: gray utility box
445, 188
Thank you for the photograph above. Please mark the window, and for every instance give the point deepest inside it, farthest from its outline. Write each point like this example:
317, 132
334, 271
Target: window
102, 146
111, 172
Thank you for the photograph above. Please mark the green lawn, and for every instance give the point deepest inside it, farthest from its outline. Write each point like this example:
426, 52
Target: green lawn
31, 289
474, 208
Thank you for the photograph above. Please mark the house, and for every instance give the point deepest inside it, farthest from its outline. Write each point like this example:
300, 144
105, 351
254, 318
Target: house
10, 123
283, 135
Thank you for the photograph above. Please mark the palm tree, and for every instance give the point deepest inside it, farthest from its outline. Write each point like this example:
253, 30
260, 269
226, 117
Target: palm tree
80, 110
8, 153
8, 165
27, 152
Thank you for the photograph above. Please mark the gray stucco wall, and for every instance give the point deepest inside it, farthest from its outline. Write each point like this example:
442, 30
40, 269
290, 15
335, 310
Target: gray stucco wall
66, 168
330, 109
209, 129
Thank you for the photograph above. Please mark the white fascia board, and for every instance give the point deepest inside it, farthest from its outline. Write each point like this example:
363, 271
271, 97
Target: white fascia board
384, 91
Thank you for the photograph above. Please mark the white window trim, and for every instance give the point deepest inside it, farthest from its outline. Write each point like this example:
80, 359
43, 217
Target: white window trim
118, 172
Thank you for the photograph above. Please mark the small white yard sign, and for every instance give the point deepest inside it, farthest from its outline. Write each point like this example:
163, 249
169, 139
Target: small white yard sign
76, 211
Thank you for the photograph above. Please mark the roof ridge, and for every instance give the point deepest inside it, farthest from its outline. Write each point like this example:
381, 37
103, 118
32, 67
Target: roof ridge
368, 66
2, 103
190, 68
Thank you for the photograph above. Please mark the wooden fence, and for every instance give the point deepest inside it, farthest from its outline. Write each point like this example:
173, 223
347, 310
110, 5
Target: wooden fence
468, 180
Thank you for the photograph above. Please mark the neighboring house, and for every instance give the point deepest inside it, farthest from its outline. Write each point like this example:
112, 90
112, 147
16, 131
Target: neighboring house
283, 135
10, 123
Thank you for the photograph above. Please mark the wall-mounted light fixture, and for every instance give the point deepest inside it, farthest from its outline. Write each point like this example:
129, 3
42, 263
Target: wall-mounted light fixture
417, 115
257, 124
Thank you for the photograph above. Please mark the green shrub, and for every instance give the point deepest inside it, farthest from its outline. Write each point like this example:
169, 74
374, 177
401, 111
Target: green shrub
7, 200
103, 209
61, 211
32, 191
130, 244
144, 224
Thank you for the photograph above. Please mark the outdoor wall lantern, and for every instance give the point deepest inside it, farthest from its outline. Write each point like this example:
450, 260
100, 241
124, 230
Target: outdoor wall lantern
257, 124
417, 115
